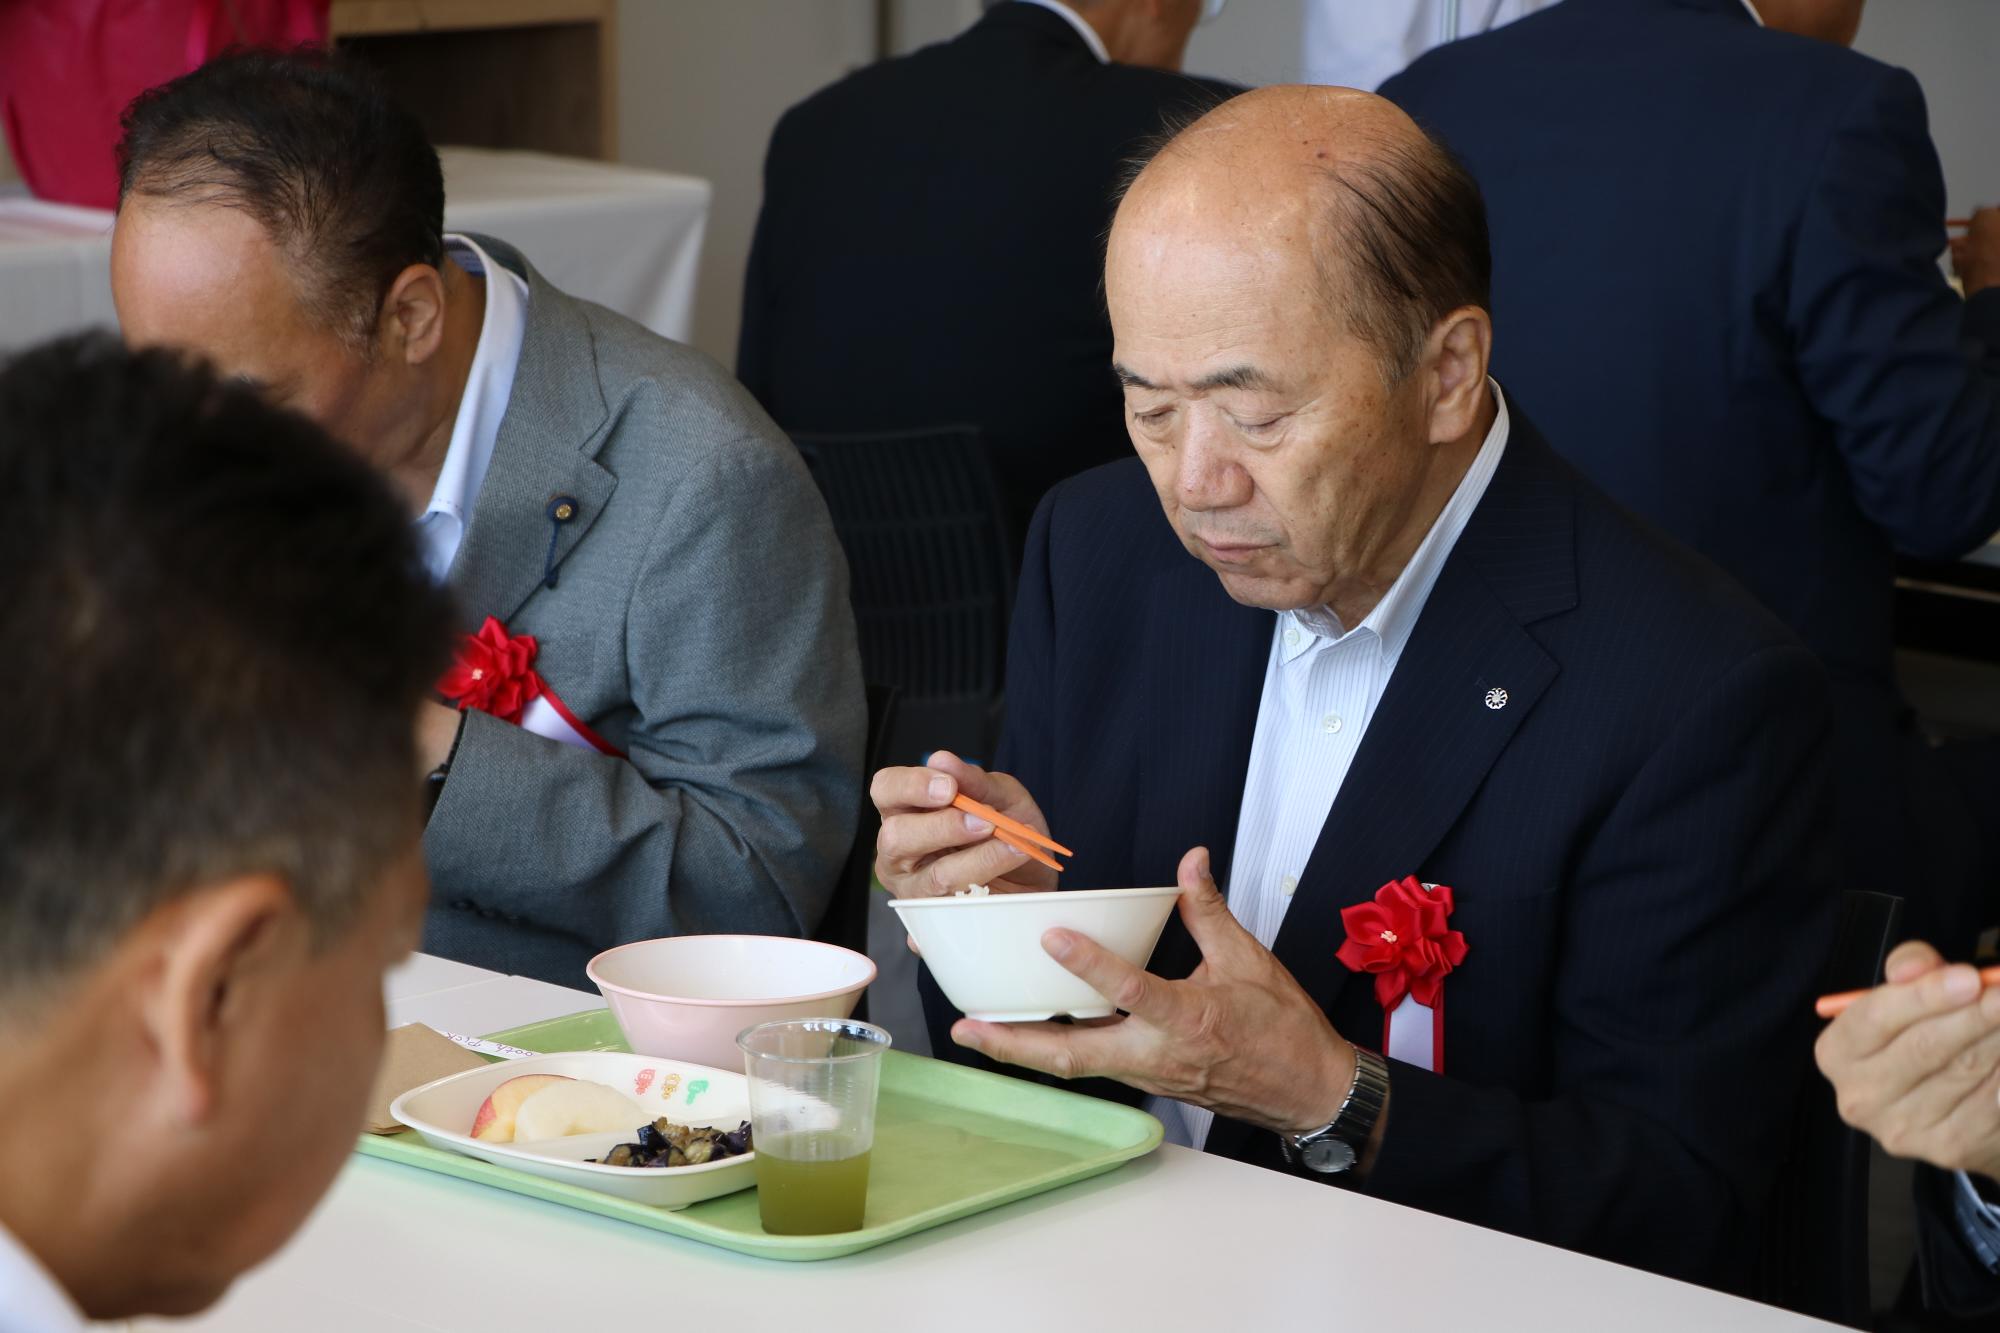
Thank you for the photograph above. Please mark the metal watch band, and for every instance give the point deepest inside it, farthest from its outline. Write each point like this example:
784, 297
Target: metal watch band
1352, 1124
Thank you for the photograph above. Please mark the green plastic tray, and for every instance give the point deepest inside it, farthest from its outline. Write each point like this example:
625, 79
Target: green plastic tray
949, 1142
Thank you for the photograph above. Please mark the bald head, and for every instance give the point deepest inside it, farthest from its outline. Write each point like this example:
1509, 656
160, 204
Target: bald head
1297, 285
1392, 225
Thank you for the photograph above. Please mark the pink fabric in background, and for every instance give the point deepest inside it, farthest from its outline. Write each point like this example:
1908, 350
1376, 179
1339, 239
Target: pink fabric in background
69, 67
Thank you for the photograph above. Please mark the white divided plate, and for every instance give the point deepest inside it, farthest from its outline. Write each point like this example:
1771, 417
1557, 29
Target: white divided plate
687, 1094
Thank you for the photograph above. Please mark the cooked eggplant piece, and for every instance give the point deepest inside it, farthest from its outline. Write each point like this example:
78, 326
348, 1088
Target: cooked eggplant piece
666, 1144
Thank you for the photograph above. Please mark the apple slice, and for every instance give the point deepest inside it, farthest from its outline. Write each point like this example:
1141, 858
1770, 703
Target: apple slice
576, 1107
494, 1122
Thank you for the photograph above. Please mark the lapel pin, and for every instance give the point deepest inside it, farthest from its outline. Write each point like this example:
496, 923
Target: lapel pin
560, 511
1496, 697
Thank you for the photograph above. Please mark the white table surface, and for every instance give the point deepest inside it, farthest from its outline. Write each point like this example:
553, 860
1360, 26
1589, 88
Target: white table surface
626, 237
1177, 1240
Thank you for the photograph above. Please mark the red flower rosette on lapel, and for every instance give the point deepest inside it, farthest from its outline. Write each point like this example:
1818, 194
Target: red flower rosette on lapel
494, 673
1402, 939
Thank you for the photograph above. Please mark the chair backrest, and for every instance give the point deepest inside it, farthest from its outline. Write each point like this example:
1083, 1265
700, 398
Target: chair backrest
846, 919
1816, 1251
931, 570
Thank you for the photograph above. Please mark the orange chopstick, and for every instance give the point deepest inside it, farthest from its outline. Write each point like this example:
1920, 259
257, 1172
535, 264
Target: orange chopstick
1003, 826
1826, 1006
1031, 852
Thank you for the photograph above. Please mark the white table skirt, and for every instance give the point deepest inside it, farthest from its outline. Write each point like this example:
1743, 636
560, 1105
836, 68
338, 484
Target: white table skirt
1178, 1240
625, 237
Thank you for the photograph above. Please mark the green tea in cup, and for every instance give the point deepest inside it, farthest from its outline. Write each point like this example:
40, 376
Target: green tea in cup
813, 1085
802, 1195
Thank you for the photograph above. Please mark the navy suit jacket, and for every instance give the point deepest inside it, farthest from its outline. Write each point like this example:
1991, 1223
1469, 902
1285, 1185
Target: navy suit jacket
932, 239
1631, 839
1715, 277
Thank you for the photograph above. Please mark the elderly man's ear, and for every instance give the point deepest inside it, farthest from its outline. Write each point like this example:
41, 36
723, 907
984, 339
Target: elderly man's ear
412, 325
1455, 360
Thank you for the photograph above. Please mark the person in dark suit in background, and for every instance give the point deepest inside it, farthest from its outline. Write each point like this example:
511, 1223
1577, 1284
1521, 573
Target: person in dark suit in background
1413, 649
931, 239
1715, 246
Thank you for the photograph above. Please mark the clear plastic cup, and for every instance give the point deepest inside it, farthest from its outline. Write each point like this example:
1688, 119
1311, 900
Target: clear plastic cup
812, 1115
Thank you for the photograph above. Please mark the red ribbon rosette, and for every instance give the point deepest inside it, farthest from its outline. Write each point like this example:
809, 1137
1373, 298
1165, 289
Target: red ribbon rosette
1401, 938
494, 673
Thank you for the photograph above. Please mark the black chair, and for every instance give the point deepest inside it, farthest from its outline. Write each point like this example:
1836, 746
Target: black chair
932, 573
1816, 1243
846, 920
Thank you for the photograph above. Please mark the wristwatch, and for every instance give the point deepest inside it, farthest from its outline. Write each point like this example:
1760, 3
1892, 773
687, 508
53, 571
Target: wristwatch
1336, 1146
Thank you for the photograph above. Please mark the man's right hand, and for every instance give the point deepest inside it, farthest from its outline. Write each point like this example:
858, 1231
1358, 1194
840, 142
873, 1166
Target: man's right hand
1975, 256
1916, 1063
927, 848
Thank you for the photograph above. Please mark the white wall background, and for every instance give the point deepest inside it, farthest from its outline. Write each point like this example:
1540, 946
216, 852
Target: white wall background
1952, 47
701, 83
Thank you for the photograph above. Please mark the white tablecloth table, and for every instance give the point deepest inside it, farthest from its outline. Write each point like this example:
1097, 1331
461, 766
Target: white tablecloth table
625, 237
1178, 1240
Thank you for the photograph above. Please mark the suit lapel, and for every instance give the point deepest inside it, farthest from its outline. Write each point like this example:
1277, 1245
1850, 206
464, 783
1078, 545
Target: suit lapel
1209, 678
1429, 746
1437, 732
555, 421
1434, 736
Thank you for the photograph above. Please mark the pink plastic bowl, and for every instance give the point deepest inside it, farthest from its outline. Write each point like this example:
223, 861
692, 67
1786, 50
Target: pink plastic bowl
686, 997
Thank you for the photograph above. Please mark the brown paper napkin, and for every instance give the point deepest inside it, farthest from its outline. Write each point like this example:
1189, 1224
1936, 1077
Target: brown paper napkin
412, 1057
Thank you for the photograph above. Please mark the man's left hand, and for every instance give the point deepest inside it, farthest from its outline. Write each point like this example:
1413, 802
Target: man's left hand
1240, 1036
437, 732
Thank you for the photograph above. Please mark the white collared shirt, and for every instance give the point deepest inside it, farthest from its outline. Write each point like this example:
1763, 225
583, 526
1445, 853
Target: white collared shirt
488, 386
1321, 685
30, 1300
1077, 21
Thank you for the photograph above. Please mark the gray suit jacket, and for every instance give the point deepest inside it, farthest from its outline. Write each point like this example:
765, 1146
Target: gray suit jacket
699, 623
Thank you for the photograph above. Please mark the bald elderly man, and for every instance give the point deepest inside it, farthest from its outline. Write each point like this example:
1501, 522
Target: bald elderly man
1507, 888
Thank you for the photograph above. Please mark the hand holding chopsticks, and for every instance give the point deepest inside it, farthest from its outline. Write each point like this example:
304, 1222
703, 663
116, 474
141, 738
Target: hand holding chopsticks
953, 824
1915, 1062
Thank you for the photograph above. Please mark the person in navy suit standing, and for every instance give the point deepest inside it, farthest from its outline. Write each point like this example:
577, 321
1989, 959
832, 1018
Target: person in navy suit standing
932, 235
1716, 249
1516, 803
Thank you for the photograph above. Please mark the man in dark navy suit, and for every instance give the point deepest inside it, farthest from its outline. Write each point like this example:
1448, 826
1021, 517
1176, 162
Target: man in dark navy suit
1426, 704
931, 240
1715, 250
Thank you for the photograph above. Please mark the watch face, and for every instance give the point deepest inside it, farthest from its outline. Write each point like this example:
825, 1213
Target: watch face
1328, 1155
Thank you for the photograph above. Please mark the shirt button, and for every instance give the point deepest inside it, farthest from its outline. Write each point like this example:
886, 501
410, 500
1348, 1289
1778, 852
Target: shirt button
1291, 638
1287, 885
1331, 722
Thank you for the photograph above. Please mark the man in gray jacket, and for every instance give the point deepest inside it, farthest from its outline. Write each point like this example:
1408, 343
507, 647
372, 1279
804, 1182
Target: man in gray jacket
655, 723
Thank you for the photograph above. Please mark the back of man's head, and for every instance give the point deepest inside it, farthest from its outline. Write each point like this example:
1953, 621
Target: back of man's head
342, 179
218, 635
1836, 21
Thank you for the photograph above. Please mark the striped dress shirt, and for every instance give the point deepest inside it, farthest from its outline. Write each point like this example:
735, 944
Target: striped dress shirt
1321, 685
